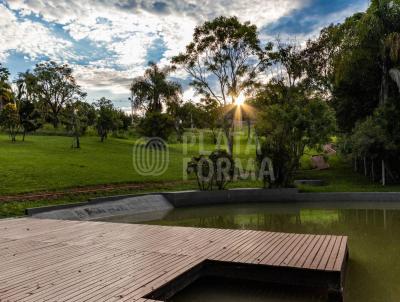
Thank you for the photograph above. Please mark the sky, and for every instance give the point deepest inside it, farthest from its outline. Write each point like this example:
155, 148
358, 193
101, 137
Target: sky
109, 42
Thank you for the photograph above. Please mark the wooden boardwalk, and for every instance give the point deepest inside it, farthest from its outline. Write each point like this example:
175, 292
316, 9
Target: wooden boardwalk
53, 260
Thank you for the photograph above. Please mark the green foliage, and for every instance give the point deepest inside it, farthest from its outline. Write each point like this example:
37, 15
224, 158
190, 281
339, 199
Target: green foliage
9, 119
30, 117
6, 93
54, 87
354, 59
156, 124
4, 73
228, 52
216, 170
287, 126
378, 136
76, 117
153, 90
224, 168
107, 118
212, 116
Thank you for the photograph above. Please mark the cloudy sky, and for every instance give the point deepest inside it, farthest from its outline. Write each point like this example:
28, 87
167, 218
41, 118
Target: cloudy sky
108, 42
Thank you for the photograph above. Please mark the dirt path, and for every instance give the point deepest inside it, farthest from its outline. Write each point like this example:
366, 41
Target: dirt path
90, 189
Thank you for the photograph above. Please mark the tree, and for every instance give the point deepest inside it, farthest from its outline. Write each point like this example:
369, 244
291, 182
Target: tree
217, 169
291, 116
287, 126
357, 61
106, 118
75, 117
29, 115
6, 93
212, 116
156, 124
87, 110
55, 86
9, 119
125, 120
177, 110
153, 90
227, 53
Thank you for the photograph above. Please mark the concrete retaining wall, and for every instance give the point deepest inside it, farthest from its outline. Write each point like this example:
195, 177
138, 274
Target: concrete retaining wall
95, 210
197, 198
165, 202
349, 197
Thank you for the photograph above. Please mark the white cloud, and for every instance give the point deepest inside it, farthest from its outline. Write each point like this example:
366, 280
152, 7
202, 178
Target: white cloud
126, 29
190, 95
30, 38
129, 27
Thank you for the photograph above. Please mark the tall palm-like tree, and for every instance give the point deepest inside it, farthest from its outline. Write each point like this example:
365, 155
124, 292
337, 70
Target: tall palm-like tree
6, 93
153, 90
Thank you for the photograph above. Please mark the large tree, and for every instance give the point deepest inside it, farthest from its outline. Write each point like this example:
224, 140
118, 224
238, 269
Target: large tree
29, 113
223, 60
357, 61
290, 116
153, 90
55, 86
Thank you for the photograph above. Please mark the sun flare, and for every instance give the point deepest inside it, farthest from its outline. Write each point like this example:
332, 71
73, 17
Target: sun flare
241, 99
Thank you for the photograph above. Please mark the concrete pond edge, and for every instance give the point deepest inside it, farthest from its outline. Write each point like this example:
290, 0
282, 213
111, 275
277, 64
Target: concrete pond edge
165, 201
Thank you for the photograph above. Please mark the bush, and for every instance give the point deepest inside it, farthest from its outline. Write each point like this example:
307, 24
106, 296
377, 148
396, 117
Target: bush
286, 129
216, 170
156, 124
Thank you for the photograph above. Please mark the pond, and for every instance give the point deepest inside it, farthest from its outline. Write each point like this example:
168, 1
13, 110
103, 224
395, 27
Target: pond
373, 228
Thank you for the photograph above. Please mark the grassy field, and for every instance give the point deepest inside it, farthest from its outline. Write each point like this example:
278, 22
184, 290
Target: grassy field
44, 163
48, 163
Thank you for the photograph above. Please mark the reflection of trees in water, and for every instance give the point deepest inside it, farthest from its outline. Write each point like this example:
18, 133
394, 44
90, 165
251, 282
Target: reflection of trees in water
260, 221
377, 222
313, 221
386, 219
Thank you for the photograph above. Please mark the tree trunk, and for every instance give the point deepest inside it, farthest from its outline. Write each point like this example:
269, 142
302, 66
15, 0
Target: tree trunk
365, 166
248, 129
373, 170
214, 136
384, 83
228, 129
78, 143
383, 173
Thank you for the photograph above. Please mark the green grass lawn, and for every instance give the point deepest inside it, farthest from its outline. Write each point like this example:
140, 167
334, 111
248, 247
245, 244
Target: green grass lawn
46, 163
341, 178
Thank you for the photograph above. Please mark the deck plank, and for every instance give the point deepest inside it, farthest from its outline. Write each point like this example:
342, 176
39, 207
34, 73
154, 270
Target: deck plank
98, 261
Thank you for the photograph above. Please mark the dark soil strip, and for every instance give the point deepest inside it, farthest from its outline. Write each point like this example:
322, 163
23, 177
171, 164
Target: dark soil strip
89, 190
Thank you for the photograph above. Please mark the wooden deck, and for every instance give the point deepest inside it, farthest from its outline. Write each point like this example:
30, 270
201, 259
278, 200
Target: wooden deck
53, 260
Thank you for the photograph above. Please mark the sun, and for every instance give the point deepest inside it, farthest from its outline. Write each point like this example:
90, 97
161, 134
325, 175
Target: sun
241, 99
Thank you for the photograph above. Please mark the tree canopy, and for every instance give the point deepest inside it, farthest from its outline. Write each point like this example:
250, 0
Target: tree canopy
153, 90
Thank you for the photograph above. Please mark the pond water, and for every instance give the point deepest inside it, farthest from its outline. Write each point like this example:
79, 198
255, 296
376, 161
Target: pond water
224, 290
373, 228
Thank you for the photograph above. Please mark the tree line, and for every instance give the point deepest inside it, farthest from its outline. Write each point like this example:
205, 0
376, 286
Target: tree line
361, 74
50, 94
